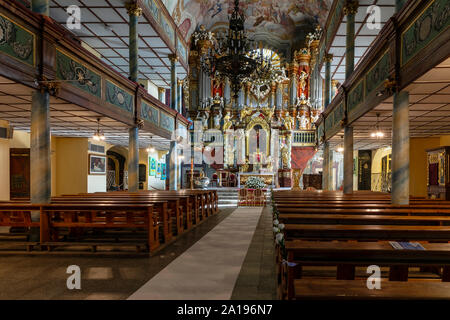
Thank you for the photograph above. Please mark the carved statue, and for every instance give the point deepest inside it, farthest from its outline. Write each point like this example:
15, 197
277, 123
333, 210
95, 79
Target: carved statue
302, 80
203, 117
285, 156
297, 174
268, 112
227, 121
245, 112
288, 121
304, 123
217, 118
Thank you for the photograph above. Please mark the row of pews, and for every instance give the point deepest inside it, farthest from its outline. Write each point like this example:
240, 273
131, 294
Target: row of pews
345, 234
145, 219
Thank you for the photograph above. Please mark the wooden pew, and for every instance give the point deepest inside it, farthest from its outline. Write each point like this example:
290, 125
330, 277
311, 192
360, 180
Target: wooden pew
357, 290
346, 256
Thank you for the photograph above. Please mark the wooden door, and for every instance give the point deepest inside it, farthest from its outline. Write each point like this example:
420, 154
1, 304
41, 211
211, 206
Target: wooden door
19, 173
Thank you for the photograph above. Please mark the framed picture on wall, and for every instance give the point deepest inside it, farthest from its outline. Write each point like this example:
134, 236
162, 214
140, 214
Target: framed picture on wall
152, 167
97, 164
163, 171
158, 170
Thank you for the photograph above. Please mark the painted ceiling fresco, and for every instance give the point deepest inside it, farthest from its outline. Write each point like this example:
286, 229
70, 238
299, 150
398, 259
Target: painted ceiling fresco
276, 22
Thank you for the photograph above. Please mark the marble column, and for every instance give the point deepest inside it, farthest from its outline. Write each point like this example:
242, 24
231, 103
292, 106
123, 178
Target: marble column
227, 93
173, 166
328, 60
350, 9
293, 86
40, 148
40, 152
162, 95
400, 148
133, 159
279, 96
173, 81
40, 6
180, 96
348, 160
326, 166
134, 13
247, 94
271, 99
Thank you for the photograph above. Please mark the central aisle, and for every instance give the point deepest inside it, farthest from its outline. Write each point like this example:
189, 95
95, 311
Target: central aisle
208, 270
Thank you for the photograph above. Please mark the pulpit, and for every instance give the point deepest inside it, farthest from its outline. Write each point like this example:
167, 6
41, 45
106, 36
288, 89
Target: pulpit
438, 177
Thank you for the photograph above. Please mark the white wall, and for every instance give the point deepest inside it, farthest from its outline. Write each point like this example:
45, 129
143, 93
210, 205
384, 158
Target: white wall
96, 183
155, 182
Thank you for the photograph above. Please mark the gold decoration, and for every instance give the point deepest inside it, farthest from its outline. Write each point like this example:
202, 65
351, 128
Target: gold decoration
328, 57
297, 174
133, 9
173, 58
351, 7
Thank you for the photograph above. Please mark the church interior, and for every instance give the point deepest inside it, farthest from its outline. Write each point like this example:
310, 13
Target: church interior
225, 149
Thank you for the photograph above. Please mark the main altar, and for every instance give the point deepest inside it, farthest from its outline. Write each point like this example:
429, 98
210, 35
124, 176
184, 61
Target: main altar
257, 116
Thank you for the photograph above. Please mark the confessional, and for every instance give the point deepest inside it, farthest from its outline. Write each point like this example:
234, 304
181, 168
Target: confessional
438, 178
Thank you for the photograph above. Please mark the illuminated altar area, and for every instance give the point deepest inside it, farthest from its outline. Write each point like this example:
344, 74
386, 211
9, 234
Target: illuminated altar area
258, 115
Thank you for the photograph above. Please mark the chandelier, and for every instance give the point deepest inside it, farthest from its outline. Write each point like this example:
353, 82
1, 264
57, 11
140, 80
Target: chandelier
233, 55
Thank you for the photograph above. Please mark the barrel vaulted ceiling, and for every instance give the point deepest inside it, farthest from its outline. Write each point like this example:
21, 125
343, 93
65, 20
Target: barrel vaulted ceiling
278, 23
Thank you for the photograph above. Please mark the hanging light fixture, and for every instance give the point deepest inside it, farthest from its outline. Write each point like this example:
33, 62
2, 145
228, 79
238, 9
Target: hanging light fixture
233, 55
98, 135
151, 149
377, 133
340, 148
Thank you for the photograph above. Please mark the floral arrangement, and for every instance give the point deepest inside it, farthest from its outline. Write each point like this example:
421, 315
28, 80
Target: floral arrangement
278, 227
255, 183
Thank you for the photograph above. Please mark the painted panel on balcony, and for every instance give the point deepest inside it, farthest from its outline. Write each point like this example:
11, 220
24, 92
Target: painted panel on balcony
182, 52
433, 21
320, 131
150, 113
355, 97
161, 19
378, 74
16, 41
119, 97
83, 78
335, 20
167, 122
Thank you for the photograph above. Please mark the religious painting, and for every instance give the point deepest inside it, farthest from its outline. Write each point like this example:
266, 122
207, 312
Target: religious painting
158, 170
269, 20
152, 166
163, 171
97, 164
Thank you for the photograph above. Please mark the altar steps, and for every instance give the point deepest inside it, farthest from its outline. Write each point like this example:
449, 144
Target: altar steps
228, 197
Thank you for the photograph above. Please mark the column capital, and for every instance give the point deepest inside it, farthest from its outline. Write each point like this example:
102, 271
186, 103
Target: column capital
173, 58
351, 7
328, 57
161, 90
180, 82
133, 9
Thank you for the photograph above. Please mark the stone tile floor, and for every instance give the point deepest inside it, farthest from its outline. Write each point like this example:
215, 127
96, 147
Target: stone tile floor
117, 277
